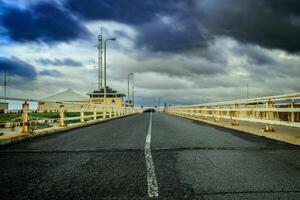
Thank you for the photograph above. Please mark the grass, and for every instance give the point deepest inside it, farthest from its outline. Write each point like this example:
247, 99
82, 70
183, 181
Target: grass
16, 117
72, 121
40, 126
49, 115
76, 114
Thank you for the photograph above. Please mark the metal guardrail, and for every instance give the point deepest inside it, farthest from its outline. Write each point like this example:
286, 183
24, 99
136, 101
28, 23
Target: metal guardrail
273, 110
106, 112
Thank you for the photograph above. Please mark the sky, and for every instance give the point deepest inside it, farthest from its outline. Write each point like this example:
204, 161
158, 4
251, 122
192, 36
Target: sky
184, 52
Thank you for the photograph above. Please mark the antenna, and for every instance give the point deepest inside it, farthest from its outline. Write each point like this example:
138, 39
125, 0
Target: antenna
158, 101
247, 91
100, 53
5, 82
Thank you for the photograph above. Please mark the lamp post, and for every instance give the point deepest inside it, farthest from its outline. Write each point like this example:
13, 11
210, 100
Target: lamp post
132, 96
112, 39
100, 44
128, 87
4, 62
132, 90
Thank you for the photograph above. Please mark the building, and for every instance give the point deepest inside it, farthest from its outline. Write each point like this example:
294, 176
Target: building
3, 107
71, 99
113, 97
74, 101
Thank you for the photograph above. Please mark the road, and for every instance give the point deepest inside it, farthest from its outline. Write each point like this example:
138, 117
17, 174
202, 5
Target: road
150, 156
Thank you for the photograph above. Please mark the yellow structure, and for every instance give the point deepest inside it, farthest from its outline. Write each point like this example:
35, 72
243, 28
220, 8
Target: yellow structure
113, 97
52, 103
74, 101
3, 107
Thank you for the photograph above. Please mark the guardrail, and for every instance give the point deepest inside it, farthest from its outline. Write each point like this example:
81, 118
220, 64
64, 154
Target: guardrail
99, 112
274, 110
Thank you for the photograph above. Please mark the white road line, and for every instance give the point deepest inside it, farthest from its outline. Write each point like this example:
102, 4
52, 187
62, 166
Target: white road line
151, 178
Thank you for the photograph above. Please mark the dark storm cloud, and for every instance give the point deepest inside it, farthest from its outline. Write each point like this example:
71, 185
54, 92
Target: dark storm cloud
268, 23
17, 67
192, 24
168, 26
45, 21
53, 73
129, 12
60, 62
255, 55
182, 33
173, 36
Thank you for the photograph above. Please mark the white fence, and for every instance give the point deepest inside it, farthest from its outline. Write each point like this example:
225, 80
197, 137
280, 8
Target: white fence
87, 112
274, 110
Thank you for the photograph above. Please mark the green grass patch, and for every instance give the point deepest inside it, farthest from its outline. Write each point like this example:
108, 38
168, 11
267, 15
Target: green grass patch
41, 126
17, 117
10, 117
48, 115
72, 121
77, 114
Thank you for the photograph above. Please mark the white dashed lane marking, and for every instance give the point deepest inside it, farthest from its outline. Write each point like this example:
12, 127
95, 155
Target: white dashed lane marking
151, 178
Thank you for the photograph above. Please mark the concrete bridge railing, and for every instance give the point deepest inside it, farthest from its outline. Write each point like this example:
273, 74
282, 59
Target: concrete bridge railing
274, 110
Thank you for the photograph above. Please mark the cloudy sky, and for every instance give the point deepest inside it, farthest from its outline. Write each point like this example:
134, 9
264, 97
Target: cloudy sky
185, 52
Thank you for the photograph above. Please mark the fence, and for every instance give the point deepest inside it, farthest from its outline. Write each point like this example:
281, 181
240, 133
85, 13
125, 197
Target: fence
274, 110
87, 112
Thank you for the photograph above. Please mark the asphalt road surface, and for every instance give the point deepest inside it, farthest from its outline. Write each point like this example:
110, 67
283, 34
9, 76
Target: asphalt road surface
150, 156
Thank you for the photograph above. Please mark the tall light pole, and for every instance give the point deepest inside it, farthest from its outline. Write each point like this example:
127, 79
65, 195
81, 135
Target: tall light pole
100, 47
158, 101
4, 76
130, 74
5, 82
132, 96
112, 39
132, 90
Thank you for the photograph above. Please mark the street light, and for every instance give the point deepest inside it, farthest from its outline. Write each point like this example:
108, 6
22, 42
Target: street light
132, 96
132, 90
112, 39
4, 62
100, 47
130, 74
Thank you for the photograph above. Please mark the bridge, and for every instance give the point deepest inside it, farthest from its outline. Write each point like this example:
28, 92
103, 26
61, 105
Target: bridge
244, 149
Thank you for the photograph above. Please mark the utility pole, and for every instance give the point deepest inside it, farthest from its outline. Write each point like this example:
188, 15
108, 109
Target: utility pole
158, 101
128, 97
247, 91
4, 80
100, 53
105, 41
132, 83
132, 96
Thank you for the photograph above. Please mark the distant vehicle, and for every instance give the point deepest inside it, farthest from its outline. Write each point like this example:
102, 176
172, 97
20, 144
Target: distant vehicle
149, 110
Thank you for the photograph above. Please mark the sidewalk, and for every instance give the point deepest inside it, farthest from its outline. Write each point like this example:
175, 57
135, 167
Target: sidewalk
282, 133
